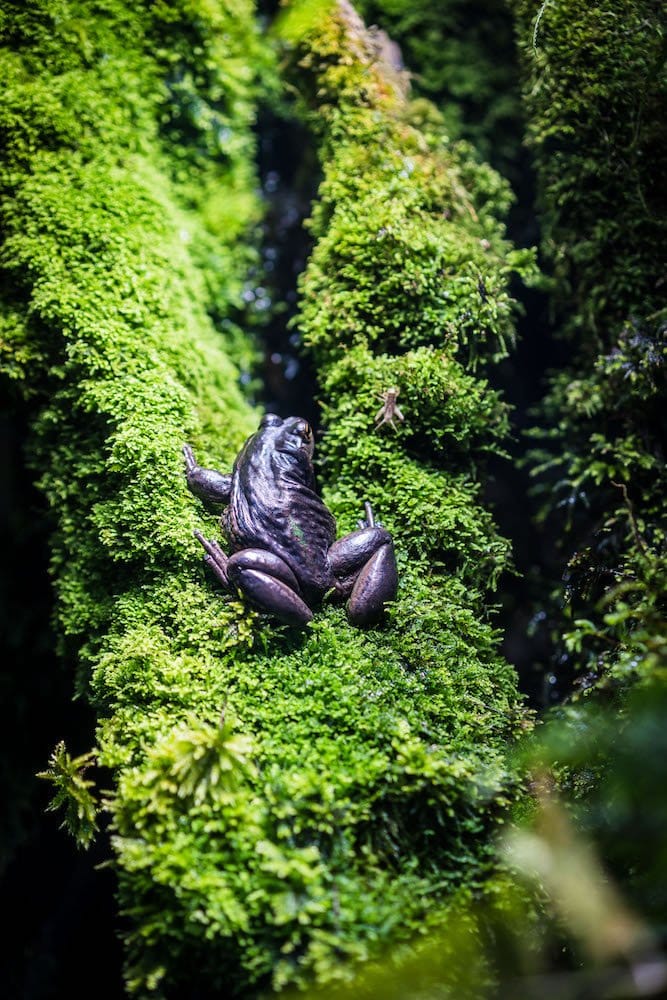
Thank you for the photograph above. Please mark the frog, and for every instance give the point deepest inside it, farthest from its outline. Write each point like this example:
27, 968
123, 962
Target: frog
285, 558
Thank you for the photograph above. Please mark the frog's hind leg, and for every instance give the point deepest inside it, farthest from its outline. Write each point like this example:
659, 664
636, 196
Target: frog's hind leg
269, 583
364, 566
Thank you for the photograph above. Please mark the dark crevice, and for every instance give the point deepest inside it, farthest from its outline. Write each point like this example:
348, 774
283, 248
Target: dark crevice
522, 379
61, 929
524, 593
289, 175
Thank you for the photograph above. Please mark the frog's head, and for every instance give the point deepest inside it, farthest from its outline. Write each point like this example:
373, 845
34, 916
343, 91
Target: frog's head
292, 436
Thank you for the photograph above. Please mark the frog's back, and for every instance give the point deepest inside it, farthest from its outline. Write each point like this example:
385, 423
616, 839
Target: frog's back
274, 506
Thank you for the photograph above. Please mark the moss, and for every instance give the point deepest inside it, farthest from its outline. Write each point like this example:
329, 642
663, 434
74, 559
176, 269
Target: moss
595, 95
461, 56
407, 286
355, 778
113, 265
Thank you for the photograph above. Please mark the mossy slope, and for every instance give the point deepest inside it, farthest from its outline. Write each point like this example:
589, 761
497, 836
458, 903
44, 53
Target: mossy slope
128, 206
595, 96
354, 778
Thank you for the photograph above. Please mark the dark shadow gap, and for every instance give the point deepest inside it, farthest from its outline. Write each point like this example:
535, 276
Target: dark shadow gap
289, 174
62, 926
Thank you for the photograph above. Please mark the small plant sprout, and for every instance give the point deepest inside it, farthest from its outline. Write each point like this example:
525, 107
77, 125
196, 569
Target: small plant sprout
73, 792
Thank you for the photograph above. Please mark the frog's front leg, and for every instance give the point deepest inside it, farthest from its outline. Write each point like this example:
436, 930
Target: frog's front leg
264, 578
209, 485
364, 566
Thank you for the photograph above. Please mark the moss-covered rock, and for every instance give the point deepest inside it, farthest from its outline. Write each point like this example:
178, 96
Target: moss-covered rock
128, 208
283, 804
595, 95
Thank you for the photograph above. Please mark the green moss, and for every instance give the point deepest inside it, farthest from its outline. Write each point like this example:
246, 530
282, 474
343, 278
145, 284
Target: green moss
73, 792
407, 284
355, 778
461, 55
103, 254
594, 95
113, 265
595, 98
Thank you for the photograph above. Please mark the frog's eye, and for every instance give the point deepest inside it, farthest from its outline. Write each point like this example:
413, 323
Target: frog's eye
270, 420
304, 430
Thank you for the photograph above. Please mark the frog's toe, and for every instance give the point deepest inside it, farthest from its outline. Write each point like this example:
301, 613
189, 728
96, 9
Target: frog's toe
215, 558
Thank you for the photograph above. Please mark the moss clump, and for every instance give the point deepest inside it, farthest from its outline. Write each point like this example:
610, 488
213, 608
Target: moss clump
595, 97
355, 778
407, 286
106, 299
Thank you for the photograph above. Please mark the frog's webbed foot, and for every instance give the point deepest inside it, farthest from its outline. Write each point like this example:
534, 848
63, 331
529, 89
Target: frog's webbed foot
207, 484
364, 566
262, 577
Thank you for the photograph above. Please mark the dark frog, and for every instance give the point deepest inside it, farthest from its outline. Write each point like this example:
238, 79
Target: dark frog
285, 557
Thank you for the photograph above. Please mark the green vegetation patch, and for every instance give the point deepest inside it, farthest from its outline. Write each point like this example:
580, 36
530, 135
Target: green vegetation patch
285, 804
595, 94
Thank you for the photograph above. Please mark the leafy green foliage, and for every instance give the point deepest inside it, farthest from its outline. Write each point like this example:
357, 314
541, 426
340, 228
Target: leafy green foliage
609, 493
73, 793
